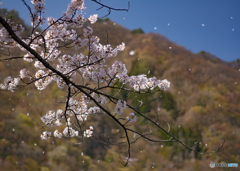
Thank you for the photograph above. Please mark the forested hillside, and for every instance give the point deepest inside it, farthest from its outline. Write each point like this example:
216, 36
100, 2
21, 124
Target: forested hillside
204, 96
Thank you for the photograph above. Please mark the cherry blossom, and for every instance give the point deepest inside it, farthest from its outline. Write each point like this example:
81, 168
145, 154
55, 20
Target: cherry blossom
10, 84
120, 107
57, 134
132, 117
121, 47
88, 132
164, 84
93, 18
23, 73
69, 132
45, 135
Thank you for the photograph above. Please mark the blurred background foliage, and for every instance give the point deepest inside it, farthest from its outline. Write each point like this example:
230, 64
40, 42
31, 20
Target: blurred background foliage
204, 97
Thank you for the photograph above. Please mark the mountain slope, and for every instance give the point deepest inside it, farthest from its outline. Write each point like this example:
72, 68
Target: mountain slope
205, 90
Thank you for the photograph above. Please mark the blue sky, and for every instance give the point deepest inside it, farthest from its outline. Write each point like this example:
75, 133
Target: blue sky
209, 25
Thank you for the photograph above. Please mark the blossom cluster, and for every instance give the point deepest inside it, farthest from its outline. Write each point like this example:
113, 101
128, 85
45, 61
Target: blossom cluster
24, 73
78, 108
36, 17
88, 132
90, 68
10, 83
141, 82
53, 119
45, 135
69, 132
6, 40
121, 105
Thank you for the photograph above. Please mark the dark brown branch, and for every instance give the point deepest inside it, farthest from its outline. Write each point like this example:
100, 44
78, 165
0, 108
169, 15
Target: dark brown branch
9, 59
110, 8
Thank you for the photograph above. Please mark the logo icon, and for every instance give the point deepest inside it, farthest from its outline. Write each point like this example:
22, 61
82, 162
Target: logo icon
212, 164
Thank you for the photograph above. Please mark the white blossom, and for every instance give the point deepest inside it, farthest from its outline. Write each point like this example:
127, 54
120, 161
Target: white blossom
121, 105
93, 18
164, 84
87, 31
57, 134
45, 135
102, 100
38, 64
59, 114
69, 123
88, 132
93, 110
23, 73
69, 132
132, 117
121, 47
82, 117
10, 84
58, 122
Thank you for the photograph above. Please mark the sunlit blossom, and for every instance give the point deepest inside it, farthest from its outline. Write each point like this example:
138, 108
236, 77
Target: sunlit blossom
93, 18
